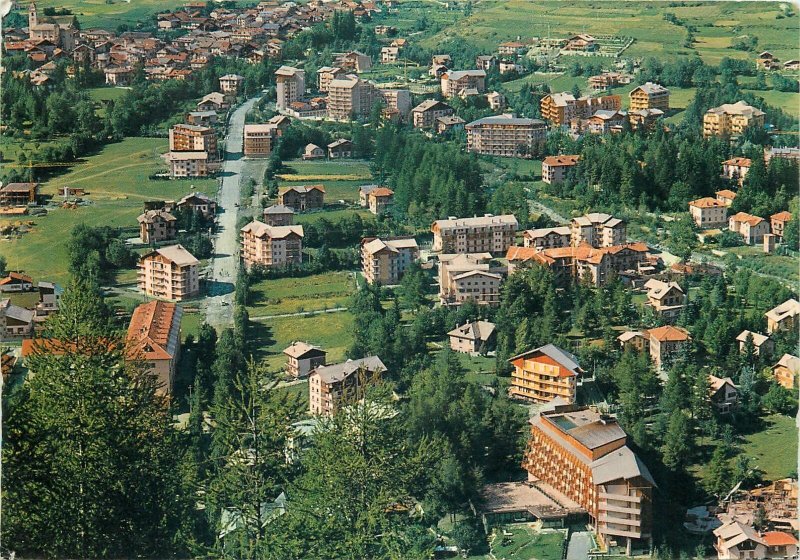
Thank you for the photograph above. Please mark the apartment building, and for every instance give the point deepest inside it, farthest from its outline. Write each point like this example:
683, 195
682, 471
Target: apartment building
350, 97
784, 317
302, 358
731, 119
667, 299
189, 164
198, 203
380, 200
583, 455
278, 215
469, 277
448, 123
735, 169
271, 246
156, 226
425, 114
193, 138
555, 168
231, 83
608, 80
169, 273
397, 101
329, 387
506, 136
290, 86
301, 198
778, 223
649, 96
709, 212
560, 109
354, 61
454, 82
666, 343
644, 118
543, 374
751, 228
492, 234
598, 230
386, 260
154, 336
326, 74
547, 238
257, 139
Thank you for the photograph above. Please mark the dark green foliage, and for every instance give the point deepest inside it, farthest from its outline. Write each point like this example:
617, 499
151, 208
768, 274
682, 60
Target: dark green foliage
96, 253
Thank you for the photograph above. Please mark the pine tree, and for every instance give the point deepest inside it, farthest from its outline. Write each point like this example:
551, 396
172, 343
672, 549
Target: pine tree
678, 442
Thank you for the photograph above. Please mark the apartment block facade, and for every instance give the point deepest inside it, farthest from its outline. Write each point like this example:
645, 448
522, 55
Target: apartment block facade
271, 246
169, 273
290, 86
454, 82
708, 212
491, 234
351, 97
554, 168
561, 108
469, 277
506, 136
731, 119
329, 387
649, 96
257, 140
386, 260
193, 138
543, 374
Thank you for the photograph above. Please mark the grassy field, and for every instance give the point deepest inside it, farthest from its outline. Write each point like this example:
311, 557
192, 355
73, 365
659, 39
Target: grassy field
525, 544
357, 173
296, 295
117, 183
774, 449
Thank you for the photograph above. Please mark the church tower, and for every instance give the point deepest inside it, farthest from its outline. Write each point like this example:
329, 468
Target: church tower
33, 18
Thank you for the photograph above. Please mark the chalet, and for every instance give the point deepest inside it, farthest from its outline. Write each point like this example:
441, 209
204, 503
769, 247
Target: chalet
302, 359
497, 101
18, 194
156, 226
202, 118
312, 151
448, 123
786, 371
784, 317
723, 393
424, 115
511, 48
16, 282
301, 198
198, 202
341, 148
476, 337
354, 61
634, 341
547, 238
581, 43
213, 102
49, 300
485, 62
15, 321
667, 299
762, 344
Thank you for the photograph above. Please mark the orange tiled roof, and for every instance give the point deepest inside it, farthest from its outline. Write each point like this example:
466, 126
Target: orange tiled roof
739, 162
782, 216
778, 538
15, 276
381, 191
747, 218
707, 202
725, 193
561, 160
150, 328
668, 333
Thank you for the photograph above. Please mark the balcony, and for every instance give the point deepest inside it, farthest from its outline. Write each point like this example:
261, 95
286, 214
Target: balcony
620, 497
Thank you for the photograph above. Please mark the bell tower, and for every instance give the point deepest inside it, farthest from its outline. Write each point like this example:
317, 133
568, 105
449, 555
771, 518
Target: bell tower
33, 18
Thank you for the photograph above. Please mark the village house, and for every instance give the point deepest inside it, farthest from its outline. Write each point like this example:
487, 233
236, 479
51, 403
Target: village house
475, 337
543, 374
49, 301
202, 118
582, 457
786, 371
485, 62
511, 48
380, 200
118, 75
607, 80
762, 344
508, 66
709, 212
667, 299
725, 196
15, 321
453, 82
634, 341
325, 75
737, 540
350, 97
341, 148
735, 169
784, 317
189, 164
560, 109
731, 119
649, 96
231, 84
290, 86
555, 168
198, 203
302, 198
363, 194
448, 123
424, 115
154, 336
778, 223
723, 393
390, 55
278, 215
547, 238
354, 61
497, 101
169, 273
667, 342
767, 61
193, 138
156, 226
257, 139
330, 386
580, 43
16, 282
214, 101
271, 246
302, 359
493, 234
469, 277
18, 194
751, 228
506, 136
312, 151
385, 260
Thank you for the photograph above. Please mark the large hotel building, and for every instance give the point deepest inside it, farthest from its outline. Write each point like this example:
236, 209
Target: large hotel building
506, 136
487, 234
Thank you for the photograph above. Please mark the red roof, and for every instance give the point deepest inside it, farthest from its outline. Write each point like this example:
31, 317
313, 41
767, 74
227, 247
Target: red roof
778, 538
561, 160
669, 333
782, 216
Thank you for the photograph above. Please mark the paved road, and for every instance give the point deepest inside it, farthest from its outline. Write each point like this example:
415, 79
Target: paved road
580, 542
223, 270
262, 318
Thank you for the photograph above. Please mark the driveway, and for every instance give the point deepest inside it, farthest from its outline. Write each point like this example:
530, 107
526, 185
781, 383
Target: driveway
580, 542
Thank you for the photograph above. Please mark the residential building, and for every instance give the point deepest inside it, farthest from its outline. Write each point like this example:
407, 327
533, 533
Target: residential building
607, 80
350, 97
598, 230
49, 300
231, 84
189, 164
709, 212
667, 299
485, 62
731, 119
634, 341
778, 223
649, 96
424, 115
497, 101
725, 196
581, 43
169, 273
257, 139
762, 344
786, 371
202, 118
385, 261
156, 226
469, 277
508, 66
554, 168
475, 337
397, 101
390, 55
341, 148
560, 109
455, 81
15, 321
302, 198
506, 136
198, 203
278, 215
326, 74
154, 336
666, 342
271, 246
214, 101
16, 282
644, 118
331, 386
544, 374
511, 48
751, 228
312, 151
363, 194
492, 234
448, 123
583, 455
118, 75
18, 194
302, 359
547, 238
723, 393
735, 169
354, 61
784, 317
193, 138
791, 154
290, 86
380, 200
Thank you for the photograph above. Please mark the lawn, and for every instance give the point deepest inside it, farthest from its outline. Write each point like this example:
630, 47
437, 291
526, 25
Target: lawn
774, 449
101, 95
345, 177
525, 543
117, 183
296, 295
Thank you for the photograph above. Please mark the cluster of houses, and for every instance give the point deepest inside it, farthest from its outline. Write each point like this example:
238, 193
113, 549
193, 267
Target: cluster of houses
768, 61
17, 321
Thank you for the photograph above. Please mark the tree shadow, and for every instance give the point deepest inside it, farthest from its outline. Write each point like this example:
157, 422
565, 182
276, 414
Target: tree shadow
215, 288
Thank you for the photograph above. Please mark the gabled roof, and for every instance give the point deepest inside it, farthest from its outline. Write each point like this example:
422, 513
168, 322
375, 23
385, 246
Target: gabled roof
789, 308
175, 254
260, 229
668, 333
738, 162
476, 330
744, 217
707, 202
339, 372
650, 89
303, 188
725, 193
299, 350
621, 463
563, 160
792, 363
154, 330
758, 338
716, 383
16, 278
658, 289
562, 357
783, 216
278, 209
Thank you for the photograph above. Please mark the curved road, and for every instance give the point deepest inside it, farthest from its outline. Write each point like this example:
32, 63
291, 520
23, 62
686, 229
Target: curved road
225, 264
